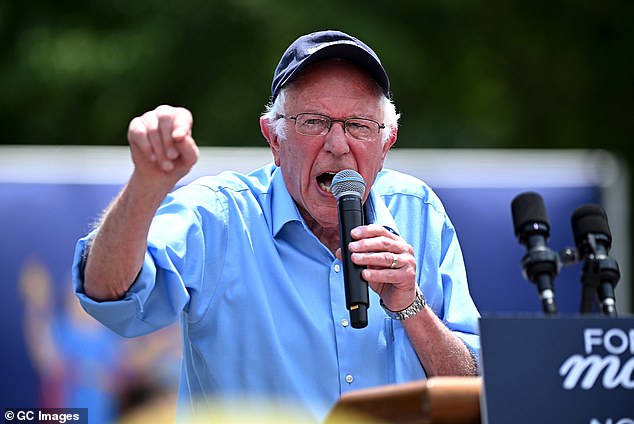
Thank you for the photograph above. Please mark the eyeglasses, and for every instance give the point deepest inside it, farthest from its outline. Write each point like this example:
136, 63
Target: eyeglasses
314, 124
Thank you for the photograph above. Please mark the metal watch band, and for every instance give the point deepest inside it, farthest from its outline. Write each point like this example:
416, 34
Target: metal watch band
417, 305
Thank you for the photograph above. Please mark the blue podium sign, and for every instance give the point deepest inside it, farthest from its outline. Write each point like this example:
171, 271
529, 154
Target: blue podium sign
558, 370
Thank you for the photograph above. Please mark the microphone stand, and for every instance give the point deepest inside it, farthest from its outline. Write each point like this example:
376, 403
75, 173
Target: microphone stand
600, 274
541, 266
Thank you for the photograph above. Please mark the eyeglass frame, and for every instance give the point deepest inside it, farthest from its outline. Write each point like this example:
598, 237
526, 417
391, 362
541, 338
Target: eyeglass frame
331, 121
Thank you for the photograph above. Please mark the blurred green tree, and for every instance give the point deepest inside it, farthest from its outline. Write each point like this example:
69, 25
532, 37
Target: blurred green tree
464, 73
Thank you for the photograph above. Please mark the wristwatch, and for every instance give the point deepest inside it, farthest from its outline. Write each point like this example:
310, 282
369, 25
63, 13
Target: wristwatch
417, 305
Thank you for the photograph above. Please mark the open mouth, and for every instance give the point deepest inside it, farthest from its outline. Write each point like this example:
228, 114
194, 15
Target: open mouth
324, 180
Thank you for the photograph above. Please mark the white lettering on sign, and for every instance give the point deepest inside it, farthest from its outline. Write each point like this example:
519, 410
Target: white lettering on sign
615, 340
610, 371
585, 372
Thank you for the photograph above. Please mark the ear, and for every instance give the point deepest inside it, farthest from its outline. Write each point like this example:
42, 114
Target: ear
389, 142
271, 137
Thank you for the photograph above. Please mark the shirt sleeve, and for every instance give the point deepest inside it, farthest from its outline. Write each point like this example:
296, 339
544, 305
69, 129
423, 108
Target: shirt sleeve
173, 266
459, 312
125, 316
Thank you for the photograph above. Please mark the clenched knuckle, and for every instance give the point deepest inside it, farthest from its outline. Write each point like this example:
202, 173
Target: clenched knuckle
164, 110
136, 127
385, 244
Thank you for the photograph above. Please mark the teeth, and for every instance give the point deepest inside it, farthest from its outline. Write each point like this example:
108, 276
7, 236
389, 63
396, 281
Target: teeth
324, 187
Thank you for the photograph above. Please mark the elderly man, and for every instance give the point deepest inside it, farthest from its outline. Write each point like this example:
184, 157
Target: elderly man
251, 264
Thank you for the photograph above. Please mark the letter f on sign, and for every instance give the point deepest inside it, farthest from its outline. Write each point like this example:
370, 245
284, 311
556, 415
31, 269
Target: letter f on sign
591, 336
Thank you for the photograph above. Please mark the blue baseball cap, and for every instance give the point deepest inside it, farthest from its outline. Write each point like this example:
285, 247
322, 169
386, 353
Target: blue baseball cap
322, 45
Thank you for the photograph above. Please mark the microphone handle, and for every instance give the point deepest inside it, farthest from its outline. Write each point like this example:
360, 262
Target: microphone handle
546, 293
350, 211
606, 294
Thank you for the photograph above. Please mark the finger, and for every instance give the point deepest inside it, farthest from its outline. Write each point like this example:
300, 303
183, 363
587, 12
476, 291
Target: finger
137, 138
393, 260
387, 275
183, 122
151, 121
166, 118
188, 152
381, 260
379, 244
372, 230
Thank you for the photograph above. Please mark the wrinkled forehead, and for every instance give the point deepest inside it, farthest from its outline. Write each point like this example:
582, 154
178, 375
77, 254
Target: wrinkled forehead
334, 78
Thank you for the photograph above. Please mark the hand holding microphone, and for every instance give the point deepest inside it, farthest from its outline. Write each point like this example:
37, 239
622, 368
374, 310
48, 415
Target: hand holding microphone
383, 260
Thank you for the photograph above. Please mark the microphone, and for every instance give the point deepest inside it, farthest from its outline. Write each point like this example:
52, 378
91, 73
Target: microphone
348, 188
600, 273
540, 264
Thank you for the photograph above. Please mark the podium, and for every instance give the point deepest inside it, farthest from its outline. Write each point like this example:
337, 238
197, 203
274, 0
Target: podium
436, 400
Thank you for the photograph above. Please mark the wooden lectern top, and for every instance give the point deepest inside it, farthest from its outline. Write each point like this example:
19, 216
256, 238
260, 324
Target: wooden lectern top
436, 400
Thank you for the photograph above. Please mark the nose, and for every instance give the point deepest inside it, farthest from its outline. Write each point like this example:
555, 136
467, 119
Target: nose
336, 140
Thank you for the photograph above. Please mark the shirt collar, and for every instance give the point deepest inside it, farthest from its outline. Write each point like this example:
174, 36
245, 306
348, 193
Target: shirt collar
376, 212
284, 209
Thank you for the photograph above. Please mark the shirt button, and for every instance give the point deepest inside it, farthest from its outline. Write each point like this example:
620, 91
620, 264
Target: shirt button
337, 267
344, 322
349, 378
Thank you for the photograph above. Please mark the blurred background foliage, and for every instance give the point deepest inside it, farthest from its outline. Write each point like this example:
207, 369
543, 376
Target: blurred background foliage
477, 74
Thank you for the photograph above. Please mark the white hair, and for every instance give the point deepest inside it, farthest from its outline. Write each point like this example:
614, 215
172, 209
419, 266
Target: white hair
275, 109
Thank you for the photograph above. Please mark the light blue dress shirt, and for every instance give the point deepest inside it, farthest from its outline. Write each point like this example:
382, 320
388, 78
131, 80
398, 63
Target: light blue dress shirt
261, 300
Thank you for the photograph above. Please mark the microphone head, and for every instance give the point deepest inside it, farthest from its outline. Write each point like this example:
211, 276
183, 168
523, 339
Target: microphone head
529, 215
590, 219
349, 182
